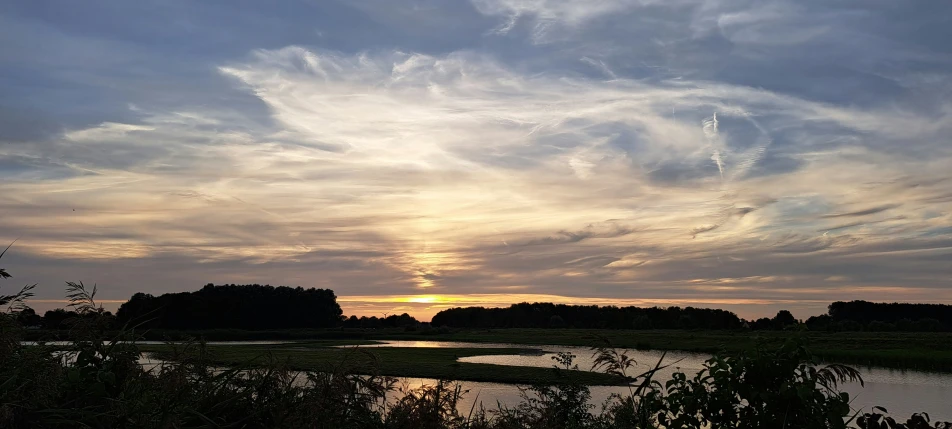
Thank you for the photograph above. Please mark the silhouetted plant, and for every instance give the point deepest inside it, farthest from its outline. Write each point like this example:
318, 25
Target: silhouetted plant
878, 419
17, 301
97, 382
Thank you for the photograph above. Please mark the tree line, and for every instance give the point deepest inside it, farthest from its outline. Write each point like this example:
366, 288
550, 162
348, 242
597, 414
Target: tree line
881, 316
234, 306
841, 316
264, 307
103, 385
548, 315
229, 306
98, 382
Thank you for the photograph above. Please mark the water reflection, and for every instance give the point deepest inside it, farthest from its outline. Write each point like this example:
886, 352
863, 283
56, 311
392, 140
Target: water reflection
902, 392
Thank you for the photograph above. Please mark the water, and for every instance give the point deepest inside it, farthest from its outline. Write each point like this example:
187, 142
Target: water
902, 392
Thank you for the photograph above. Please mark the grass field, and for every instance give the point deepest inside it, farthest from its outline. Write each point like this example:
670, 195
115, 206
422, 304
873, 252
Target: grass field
907, 350
439, 363
904, 350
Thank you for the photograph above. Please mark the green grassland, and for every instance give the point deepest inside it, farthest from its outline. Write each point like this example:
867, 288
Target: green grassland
438, 363
904, 350
907, 350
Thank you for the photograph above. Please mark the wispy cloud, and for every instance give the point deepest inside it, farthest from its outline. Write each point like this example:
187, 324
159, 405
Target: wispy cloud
864, 212
529, 153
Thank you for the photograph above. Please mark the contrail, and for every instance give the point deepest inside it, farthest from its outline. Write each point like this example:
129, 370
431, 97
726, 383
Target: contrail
716, 157
738, 168
600, 65
710, 127
753, 156
710, 131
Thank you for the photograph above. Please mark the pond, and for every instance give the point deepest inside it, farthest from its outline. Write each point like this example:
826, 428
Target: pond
902, 392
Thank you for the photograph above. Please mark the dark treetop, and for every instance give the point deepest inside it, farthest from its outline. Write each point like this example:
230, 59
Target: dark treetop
234, 307
547, 315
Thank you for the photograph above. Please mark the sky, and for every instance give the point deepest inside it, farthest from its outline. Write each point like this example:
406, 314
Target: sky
414, 155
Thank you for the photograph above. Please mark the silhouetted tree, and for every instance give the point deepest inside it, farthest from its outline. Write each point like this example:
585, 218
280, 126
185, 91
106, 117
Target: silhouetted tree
904, 316
822, 322
234, 306
784, 319
373, 322
762, 324
542, 315
28, 317
57, 318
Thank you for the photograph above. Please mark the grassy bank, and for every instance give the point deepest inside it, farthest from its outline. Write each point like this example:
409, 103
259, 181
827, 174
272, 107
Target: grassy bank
902, 350
438, 363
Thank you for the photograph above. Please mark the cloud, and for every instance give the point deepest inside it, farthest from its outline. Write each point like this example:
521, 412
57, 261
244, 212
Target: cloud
606, 230
105, 132
864, 212
530, 153
366, 137
861, 223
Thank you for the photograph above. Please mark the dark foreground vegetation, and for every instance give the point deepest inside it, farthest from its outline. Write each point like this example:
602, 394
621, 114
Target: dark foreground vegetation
97, 382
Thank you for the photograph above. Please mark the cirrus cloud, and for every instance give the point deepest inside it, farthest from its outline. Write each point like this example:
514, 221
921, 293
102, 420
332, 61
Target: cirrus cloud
394, 171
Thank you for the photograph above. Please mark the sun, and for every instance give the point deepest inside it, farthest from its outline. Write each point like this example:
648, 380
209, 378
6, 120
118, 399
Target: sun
424, 299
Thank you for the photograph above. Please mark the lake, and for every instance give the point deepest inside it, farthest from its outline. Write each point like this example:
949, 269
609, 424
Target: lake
902, 392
